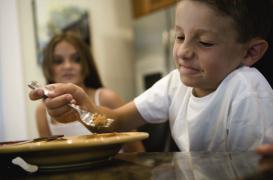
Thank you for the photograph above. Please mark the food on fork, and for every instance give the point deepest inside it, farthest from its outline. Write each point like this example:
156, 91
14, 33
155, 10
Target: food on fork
100, 120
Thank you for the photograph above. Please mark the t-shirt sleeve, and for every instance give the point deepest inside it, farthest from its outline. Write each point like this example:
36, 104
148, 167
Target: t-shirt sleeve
153, 104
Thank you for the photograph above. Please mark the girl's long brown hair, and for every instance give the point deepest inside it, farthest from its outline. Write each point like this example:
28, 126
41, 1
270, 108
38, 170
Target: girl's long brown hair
89, 69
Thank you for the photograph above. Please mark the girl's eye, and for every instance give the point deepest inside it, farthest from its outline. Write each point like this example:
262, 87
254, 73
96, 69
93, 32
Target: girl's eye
206, 44
57, 60
76, 58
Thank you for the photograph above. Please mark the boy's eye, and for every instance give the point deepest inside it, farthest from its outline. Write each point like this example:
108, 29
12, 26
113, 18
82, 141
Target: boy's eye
206, 44
180, 38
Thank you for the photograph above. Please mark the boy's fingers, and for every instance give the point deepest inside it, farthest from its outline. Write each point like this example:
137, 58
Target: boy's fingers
58, 111
60, 88
64, 114
59, 101
266, 149
68, 88
36, 94
69, 116
58, 108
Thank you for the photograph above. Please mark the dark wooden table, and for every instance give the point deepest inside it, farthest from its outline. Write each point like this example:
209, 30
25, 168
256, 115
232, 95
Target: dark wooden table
159, 166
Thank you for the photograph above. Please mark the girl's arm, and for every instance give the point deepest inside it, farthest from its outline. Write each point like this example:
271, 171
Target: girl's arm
41, 120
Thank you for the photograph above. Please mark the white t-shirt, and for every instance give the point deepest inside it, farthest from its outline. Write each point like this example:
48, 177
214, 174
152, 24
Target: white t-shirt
72, 128
237, 116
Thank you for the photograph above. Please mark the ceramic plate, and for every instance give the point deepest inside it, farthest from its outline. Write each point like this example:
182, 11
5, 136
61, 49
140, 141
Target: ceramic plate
70, 150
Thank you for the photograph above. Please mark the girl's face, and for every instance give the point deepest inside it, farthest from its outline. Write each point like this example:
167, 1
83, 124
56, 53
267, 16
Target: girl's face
67, 64
205, 48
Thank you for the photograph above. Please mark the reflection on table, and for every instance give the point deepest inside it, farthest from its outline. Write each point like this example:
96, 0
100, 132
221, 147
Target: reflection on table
160, 166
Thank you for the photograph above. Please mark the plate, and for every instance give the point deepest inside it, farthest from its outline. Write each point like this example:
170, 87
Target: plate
70, 150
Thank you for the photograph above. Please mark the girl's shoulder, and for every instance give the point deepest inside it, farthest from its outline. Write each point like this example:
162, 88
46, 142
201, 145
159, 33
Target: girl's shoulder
109, 98
107, 93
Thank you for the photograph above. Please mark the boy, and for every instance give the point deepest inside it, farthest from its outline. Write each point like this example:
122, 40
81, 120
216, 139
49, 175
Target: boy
221, 104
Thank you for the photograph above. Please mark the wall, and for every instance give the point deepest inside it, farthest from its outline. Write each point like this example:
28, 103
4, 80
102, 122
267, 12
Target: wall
153, 45
111, 28
13, 122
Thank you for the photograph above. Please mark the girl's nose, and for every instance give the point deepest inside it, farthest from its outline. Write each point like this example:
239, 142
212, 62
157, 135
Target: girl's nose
67, 63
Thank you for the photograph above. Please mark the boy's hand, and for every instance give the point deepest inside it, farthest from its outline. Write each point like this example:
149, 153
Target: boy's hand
266, 149
36, 94
58, 98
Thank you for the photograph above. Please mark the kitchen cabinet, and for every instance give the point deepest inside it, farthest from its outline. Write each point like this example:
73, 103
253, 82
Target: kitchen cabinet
144, 7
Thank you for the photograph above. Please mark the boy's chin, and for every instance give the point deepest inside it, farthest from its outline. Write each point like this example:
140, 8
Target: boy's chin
186, 81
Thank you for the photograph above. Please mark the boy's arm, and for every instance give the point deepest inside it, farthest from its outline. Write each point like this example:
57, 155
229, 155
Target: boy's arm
127, 116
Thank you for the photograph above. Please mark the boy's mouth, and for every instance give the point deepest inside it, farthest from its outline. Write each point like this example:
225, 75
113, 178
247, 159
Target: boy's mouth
187, 70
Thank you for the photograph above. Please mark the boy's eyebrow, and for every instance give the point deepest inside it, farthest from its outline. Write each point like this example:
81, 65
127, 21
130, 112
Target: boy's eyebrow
177, 28
204, 31
199, 31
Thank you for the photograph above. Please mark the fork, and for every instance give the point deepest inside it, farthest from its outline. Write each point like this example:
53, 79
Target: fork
46, 138
86, 117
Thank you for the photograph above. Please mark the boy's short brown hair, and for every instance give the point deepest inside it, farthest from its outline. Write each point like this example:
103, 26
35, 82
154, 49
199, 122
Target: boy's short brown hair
252, 18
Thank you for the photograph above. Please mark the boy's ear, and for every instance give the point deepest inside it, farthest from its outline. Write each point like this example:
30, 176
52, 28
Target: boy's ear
256, 48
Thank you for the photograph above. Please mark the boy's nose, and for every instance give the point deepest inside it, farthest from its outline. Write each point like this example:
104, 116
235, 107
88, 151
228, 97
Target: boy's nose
185, 52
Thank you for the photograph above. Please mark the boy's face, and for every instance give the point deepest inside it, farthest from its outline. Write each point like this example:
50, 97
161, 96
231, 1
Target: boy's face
205, 48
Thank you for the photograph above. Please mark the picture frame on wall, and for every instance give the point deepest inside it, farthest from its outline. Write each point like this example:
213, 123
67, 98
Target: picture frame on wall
53, 17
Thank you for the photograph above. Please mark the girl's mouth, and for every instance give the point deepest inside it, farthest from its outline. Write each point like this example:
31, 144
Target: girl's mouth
68, 76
